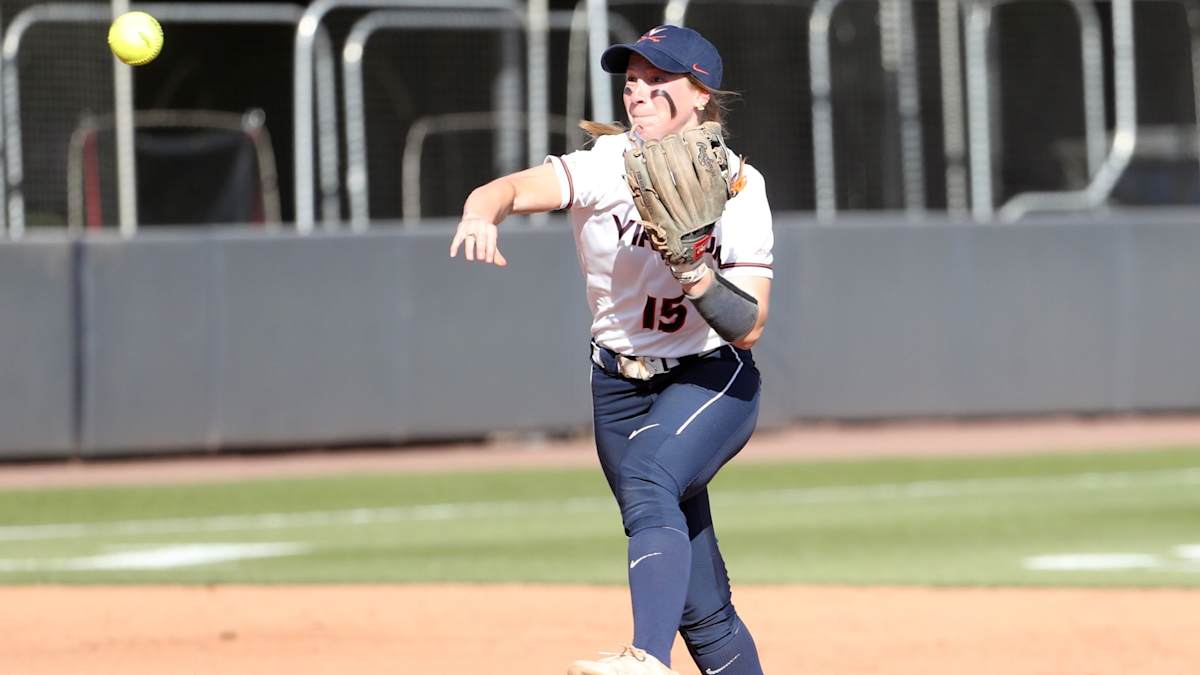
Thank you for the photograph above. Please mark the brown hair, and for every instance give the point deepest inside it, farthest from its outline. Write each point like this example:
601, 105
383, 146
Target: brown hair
718, 105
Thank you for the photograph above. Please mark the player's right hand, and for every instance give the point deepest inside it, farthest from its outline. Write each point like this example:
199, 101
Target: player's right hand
478, 237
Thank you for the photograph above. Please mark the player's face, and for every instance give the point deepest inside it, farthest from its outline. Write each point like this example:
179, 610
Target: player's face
659, 103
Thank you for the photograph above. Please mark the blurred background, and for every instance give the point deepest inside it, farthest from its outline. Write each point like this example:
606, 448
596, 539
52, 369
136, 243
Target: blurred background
982, 208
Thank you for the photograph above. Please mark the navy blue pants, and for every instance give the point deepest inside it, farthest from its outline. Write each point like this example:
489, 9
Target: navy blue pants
660, 442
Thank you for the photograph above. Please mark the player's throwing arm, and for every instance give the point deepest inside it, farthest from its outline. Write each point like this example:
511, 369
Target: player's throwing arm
530, 191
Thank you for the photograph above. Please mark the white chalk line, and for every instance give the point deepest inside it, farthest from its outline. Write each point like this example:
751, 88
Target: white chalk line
158, 558
1184, 558
928, 489
281, 521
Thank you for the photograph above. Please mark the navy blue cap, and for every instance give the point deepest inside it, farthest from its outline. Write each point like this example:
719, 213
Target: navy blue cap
672, 49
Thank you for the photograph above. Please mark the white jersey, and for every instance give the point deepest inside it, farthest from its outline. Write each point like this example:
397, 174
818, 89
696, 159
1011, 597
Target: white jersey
638, 308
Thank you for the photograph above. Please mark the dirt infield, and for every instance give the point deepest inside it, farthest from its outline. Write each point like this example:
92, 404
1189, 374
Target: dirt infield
512, 630
526, 630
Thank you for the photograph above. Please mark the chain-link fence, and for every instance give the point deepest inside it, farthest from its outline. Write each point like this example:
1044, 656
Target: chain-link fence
894, 124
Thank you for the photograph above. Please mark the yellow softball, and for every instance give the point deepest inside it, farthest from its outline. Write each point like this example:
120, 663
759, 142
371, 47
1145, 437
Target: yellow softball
135, 38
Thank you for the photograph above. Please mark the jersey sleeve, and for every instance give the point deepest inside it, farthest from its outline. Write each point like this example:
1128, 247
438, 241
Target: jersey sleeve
586, 176
566, 182
747, 238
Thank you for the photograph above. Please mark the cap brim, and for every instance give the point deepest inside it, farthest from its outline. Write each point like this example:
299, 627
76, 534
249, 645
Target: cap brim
615, 59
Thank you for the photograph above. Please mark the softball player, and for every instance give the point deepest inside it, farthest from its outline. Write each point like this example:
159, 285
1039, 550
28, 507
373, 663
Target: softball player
674, 387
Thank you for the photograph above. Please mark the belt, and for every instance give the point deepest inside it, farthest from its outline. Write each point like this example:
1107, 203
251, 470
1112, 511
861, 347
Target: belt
644, 367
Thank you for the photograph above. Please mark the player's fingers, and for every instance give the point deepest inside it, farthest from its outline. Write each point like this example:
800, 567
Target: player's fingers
500, 261
490, 245
468, 230
461, 238
480, 240
469, 247
477, 238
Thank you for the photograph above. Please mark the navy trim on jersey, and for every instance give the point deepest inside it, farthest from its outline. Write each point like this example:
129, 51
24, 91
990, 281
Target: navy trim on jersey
570, 182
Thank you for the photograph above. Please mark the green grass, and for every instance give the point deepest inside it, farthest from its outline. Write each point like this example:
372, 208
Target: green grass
963, 521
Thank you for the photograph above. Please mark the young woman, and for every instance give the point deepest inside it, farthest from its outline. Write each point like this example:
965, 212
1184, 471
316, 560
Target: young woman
674, 386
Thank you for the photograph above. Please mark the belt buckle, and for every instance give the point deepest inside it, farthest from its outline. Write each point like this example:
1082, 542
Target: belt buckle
640, 367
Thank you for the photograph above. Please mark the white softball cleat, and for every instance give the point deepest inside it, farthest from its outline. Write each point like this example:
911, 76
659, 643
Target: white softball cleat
631, 661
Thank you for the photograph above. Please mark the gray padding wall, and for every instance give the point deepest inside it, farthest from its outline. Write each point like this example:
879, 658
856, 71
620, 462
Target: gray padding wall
37, 363
236, 337
870, 320
246, 339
